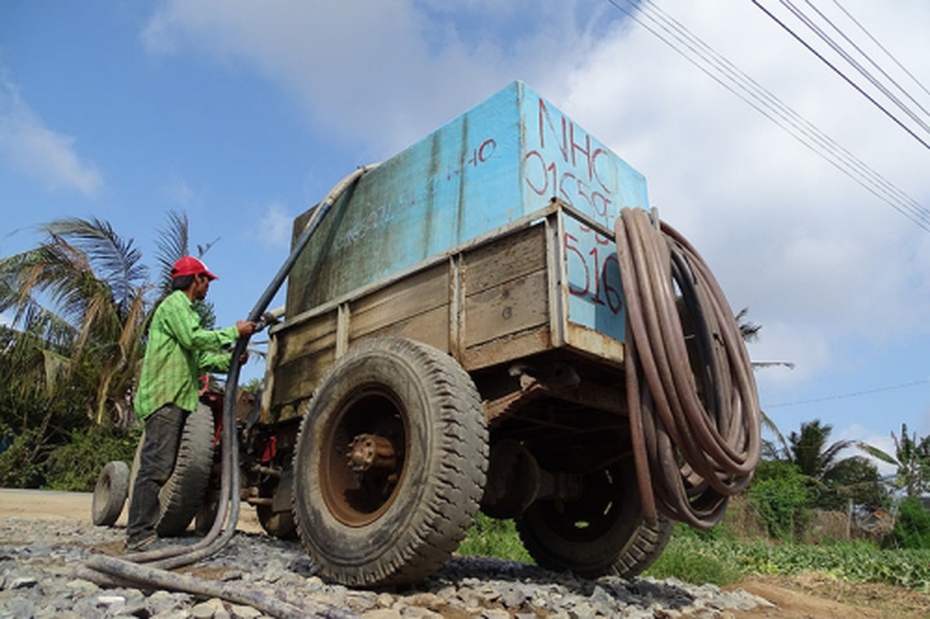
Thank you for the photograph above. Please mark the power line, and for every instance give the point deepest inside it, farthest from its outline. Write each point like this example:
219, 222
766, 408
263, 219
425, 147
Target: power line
843, 396
880, 46
865, 55
671, 32
836, 70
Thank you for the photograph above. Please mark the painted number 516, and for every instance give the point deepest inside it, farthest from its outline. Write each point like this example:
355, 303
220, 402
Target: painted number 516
601, 274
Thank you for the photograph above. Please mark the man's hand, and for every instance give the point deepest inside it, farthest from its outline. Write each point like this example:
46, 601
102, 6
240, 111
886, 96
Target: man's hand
245, 327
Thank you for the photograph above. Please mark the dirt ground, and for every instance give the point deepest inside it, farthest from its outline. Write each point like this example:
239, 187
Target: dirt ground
817, 595
809, 596
54, 505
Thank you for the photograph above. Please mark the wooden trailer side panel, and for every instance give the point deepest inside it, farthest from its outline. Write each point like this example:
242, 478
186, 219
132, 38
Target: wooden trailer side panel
506, 300
484, 305
302, 356
416, 307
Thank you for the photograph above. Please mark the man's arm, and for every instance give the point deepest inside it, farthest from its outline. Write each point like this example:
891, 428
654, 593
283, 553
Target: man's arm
215, 362
185, 326
219, 362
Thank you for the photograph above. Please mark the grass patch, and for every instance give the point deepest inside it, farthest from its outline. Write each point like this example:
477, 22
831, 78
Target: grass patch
710, 557
489, 537
693, 558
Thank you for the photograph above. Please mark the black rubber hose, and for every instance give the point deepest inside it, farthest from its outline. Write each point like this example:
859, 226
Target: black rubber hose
691, 394
105, 569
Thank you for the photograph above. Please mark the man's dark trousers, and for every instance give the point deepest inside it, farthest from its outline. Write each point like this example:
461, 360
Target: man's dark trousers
156, 462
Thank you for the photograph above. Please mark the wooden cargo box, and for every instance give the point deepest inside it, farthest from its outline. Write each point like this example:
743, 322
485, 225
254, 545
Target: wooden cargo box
490, 239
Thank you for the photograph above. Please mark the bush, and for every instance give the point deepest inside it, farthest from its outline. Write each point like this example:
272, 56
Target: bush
781, 496
20, 462
911, 527
742, 520
76, 465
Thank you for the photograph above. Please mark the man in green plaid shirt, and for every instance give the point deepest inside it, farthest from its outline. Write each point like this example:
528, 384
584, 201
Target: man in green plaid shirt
178, 352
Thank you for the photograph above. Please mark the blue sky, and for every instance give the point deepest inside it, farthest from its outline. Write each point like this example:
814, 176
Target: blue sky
243, 114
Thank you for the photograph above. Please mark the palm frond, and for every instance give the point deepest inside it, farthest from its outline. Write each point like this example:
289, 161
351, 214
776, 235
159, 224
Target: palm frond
875, 452
173, 241
748, 330
203, 249
109, 257
758, 365
829, 455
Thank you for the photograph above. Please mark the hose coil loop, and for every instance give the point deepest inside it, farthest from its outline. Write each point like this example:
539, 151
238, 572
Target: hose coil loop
691, 394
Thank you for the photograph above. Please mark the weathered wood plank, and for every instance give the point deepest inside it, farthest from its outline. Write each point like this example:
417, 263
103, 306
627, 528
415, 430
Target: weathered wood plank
430, 327
507, 308
511, 257
297, 379
507, 348
595, 344
307, 337
419, 293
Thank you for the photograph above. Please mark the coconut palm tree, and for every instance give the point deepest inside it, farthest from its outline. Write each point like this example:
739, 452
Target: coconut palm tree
834, 479
809, 449
79, 303
81, 295
77, 307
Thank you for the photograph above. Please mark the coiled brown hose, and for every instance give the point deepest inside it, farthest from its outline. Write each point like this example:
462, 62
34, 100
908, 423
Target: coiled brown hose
691, 394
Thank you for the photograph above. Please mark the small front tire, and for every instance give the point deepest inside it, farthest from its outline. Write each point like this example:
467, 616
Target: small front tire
110, 493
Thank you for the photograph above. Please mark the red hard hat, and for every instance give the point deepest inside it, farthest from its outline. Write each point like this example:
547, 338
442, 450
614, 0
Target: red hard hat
188, 265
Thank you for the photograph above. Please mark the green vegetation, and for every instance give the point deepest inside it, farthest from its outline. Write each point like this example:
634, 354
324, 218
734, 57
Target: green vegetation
494, 538
75, 466
79, 304
780, 494
18, 467
912, 526
831, 481
688, 555
719, 559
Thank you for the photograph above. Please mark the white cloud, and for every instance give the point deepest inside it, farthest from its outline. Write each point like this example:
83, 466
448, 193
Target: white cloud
802, 345
818, 260
183, 195
274, 228
30, 148
378, 74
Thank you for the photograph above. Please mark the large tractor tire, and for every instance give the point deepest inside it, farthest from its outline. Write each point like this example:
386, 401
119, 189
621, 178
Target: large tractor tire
206, 513
601, 533
110, 493
185, 490
413, 417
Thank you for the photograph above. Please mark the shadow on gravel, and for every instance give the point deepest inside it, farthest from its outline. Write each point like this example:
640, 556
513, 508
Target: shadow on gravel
520, 579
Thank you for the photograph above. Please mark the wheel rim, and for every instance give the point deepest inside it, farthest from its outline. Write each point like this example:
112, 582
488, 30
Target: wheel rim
359, 498
592, 516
